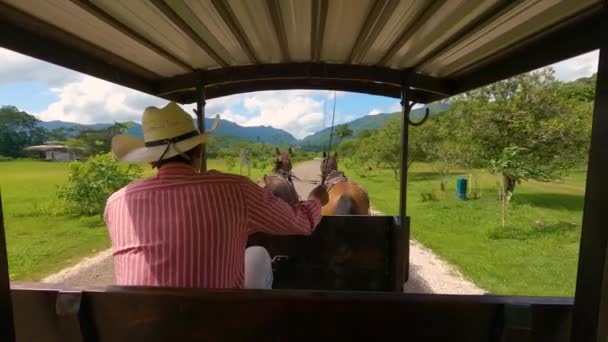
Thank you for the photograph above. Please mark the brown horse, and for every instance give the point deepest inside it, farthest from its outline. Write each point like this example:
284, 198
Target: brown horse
345, 196
280, 182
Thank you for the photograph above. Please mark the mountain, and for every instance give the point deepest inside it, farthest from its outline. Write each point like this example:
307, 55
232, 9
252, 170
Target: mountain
314, 142
226, 128
319, 140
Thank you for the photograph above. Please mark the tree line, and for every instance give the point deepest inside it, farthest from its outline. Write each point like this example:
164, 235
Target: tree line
531, 126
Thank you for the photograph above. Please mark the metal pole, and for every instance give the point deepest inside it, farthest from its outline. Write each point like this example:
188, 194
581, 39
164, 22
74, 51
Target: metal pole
401, 248
200, 117
590, 313
7, 329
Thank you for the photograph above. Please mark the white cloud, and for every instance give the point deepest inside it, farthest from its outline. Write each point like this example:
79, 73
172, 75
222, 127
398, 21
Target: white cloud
91, 100
374, 111
296, 111
395, 107
15, 67
577, 67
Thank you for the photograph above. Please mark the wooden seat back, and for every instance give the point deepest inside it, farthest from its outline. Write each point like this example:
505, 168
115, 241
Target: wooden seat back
353, 253
149, 314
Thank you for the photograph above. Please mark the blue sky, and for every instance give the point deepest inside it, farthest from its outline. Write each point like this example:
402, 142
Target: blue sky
51, 92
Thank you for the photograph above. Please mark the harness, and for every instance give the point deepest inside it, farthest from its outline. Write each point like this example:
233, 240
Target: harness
335, 177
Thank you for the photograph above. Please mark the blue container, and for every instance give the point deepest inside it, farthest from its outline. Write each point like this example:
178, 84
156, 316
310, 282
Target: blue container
461, 188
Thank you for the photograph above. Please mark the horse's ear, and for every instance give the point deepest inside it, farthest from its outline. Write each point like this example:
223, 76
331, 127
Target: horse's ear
290, 152
278, 152
324, 155
336, 155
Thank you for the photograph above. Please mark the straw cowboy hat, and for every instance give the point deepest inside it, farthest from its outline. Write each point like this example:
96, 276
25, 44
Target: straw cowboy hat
168, 132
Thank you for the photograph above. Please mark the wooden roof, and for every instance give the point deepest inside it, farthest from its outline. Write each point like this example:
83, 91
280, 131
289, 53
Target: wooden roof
167, 47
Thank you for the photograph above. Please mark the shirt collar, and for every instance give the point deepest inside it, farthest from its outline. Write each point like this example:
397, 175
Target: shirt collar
176, 169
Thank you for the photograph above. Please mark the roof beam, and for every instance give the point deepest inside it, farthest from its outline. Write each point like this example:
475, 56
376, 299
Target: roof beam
186, 29
581, 35
229, 18
98, 12
318, 17
380, 13
25, 34
379, 81
279, 27
410, 30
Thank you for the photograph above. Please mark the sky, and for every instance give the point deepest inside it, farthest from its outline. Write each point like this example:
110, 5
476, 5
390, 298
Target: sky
51, 92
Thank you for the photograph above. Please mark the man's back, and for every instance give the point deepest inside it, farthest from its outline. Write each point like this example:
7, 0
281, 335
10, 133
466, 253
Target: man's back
184, 229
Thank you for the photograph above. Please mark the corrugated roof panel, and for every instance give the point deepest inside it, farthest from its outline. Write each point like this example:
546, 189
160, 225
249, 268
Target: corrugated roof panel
71, 18
451, 17
146, 19
297, 18
515, 25
204, 19
401, 19
345, 19
255, 18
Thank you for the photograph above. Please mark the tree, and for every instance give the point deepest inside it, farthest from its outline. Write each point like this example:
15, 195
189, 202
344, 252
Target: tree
95, 141
18, 130
526, 114
342, 132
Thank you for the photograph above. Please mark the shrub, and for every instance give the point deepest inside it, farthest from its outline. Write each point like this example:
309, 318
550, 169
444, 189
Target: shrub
90, 184
5, 158
428, 197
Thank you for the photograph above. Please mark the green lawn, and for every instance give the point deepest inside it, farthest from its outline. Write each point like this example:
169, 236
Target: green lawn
535, 255
39, 240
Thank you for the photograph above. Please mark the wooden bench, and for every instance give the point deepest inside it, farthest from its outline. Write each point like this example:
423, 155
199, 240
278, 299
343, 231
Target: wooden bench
149, 314
354, 253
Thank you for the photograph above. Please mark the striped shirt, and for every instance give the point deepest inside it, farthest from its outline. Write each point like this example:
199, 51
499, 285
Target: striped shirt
185, 229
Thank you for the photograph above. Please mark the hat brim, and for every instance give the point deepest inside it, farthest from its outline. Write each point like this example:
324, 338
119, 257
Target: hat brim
129, 149
132, 150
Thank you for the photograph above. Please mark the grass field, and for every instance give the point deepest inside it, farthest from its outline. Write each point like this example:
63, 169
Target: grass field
536, 254
39, 240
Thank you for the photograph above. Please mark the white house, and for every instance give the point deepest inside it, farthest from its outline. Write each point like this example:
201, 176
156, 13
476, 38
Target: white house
54, 152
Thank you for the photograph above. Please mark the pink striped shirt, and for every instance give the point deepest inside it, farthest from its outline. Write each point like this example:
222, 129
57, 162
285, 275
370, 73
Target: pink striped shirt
185, 229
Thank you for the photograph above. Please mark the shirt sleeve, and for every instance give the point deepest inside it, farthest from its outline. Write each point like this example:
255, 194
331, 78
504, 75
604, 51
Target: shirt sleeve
269, 214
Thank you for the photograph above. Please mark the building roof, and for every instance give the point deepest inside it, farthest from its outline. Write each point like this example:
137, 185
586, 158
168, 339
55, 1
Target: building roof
45, 148
167, 47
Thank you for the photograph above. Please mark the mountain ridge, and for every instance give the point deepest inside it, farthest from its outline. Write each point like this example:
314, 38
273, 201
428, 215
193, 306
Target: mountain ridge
266, 134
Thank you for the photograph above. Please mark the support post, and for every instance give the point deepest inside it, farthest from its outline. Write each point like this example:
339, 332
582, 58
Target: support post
590, 313
200, 119
7, 328
402, 238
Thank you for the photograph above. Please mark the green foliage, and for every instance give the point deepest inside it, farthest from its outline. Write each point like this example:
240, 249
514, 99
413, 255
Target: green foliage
528, 117
18, 130
90, 184
343, 131
5, 158
94, 141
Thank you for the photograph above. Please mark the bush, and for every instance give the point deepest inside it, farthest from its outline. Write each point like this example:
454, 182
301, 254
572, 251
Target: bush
5, 158
428, 197
90, 184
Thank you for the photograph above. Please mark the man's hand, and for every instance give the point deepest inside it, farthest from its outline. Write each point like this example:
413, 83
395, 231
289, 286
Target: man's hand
320, 194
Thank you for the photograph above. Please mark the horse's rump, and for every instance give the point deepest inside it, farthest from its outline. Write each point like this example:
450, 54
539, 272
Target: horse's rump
347, 198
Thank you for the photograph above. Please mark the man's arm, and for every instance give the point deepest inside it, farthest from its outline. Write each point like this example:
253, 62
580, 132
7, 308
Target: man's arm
269, 214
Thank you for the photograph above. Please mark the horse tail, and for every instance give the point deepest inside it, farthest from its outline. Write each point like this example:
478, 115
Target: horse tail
346, 205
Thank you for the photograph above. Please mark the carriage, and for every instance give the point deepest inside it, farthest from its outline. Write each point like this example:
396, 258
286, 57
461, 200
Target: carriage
346, 280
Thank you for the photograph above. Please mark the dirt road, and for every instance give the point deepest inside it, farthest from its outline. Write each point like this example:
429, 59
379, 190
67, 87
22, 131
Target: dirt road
428, 273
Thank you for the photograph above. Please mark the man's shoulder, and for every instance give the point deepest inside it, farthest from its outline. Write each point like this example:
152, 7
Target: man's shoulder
131, 187
221, 176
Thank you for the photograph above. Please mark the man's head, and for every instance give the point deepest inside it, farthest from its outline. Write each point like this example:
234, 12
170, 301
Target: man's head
169, 135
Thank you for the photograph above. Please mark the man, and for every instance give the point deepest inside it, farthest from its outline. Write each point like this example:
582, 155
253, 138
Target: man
182, 228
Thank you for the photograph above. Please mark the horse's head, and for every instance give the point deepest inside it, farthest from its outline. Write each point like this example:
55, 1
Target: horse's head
283, 161
329, 163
